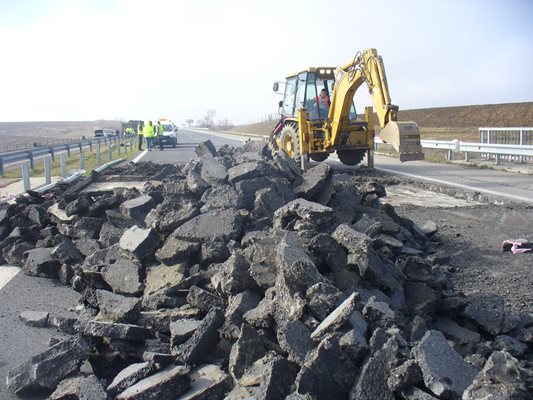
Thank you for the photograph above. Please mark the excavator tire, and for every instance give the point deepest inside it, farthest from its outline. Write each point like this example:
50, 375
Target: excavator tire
351, 157
289, 141
319, 156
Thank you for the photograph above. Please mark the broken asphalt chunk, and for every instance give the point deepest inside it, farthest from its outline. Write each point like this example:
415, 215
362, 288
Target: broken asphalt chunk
45, 370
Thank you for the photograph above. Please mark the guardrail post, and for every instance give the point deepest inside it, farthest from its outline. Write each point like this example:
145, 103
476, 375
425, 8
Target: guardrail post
63, 165
497, 159
1, 166
30, 157
98, 155
466, 155
522, 158
26, 176
91, 146
47, 170
68, 150
82, 160
110, 152
449, 156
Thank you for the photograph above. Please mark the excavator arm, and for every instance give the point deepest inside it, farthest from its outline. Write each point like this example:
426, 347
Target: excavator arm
367, 67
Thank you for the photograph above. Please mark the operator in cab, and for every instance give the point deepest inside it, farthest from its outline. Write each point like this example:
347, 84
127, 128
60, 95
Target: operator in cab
323, 103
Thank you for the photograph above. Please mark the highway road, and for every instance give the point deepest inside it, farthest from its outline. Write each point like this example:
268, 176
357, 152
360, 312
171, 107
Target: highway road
19, 342
508, 185
19, 292
187, 142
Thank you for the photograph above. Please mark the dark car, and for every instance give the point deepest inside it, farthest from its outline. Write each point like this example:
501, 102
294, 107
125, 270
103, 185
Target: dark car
100, 133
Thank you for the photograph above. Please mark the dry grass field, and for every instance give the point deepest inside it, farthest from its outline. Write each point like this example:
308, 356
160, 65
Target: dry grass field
21, 135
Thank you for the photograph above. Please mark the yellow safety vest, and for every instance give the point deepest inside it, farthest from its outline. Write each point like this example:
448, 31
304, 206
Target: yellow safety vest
148, 131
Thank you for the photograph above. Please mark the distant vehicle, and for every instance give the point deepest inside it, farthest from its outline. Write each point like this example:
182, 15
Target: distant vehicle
170, 132
98, 133
133, 124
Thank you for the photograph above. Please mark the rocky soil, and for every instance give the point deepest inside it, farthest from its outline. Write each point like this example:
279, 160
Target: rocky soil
236, 276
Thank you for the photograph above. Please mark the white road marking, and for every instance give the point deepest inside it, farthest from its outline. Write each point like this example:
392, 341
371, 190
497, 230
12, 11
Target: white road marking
7, 273
226, 136
136, 159
459, 185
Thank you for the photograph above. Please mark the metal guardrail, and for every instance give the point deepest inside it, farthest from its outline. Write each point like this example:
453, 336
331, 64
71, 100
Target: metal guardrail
34, 142
496, 151
520, 136
499, 151
31, 155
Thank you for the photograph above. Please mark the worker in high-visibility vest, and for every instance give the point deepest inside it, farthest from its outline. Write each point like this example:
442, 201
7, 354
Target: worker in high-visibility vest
160, 135
149, 134
140, 135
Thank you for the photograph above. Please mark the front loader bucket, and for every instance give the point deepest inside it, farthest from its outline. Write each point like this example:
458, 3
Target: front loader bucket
405, 138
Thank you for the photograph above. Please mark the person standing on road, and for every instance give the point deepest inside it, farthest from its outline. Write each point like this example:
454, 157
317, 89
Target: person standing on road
140, 129
149, 134
160, 131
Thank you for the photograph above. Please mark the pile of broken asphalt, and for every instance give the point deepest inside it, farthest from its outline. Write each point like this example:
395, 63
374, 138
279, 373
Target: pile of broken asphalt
238, 276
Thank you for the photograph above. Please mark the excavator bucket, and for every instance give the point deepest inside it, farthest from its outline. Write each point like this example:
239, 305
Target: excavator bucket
405, 138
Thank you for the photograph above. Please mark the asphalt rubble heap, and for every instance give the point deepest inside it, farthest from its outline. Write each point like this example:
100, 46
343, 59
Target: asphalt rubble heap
238, 276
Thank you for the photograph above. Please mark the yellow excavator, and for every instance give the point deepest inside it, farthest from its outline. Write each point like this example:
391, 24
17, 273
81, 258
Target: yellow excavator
318, 115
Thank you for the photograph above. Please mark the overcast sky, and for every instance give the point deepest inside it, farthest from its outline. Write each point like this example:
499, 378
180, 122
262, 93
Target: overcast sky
138, 59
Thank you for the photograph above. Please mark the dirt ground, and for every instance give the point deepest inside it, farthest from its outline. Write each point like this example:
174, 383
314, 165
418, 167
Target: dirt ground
472, 236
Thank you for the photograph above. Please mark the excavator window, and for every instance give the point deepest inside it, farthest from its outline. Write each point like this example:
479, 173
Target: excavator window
353, 113
300, 90
288, 97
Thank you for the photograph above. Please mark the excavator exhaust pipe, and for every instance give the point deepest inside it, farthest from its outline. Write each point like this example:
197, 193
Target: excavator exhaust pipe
404, 136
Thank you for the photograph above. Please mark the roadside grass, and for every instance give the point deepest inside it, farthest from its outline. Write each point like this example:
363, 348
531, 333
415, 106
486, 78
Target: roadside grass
73, 163
464, 134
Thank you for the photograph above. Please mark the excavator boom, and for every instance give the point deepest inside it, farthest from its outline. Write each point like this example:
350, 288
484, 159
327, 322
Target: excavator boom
367, 67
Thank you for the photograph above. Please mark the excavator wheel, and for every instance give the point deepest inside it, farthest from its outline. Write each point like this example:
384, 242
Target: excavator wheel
351, 157
319, 156
289, 141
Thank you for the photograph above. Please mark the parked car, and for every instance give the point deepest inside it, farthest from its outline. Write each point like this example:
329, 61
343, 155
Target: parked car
100, 133
170, 132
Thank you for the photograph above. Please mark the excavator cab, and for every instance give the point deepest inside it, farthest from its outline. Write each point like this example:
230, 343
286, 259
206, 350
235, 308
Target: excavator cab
311, 89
